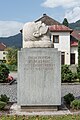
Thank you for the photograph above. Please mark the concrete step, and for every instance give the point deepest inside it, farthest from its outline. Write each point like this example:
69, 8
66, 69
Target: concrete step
38, 108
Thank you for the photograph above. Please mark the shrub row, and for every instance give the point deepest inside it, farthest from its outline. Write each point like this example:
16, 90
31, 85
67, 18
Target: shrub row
4, 72
75, 104
3, 101
69, 98
67, 75
12, 67
71, 101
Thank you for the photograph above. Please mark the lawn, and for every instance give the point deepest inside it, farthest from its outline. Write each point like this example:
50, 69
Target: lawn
65, 117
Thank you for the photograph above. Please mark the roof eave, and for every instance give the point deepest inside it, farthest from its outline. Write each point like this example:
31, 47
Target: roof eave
61, 31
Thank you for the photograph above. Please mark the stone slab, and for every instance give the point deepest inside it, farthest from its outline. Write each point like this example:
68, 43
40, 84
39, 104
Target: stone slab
39, 77
15, 109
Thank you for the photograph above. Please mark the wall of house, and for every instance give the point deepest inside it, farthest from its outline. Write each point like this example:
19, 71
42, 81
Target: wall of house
3, 55
63, 45
75, 50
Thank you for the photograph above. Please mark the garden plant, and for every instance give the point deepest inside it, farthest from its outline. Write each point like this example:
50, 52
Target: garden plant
4, 72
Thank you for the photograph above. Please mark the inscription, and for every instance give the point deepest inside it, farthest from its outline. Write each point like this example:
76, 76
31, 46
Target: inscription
39, 63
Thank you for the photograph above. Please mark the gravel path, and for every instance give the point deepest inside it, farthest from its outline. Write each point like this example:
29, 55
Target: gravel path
74, 89
11, 90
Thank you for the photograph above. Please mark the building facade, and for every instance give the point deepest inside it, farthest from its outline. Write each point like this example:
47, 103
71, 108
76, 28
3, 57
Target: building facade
60, 35
3, 53
64, 38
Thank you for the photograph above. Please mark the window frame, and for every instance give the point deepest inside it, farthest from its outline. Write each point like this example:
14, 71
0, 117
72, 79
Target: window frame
54, 38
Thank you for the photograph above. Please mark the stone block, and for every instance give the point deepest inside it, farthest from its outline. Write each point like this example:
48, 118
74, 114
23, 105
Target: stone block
39, 77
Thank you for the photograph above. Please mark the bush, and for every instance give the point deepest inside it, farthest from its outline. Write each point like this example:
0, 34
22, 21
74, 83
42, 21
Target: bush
66, 74
75, 76
78, 72
12, 67
2, 105
4, 72
68, 98
75, 104
4, 98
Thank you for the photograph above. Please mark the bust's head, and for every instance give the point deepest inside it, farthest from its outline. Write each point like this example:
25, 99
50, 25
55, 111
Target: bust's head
35, 31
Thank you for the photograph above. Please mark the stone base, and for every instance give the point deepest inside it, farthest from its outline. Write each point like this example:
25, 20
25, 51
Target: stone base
16, 109
39, 108
39, 77
38, 44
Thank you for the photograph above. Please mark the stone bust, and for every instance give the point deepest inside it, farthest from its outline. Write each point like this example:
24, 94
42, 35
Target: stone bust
35, 34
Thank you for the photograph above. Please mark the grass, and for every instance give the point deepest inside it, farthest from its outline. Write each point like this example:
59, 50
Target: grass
16, 117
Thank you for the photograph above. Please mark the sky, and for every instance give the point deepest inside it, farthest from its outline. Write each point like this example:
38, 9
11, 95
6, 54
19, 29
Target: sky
15, 13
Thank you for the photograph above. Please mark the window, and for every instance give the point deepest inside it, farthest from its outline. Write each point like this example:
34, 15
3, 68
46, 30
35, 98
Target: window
4, 53
55, 38
3, 58
62, 58
72, 59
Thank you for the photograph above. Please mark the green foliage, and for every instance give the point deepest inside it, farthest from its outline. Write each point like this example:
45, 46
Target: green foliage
75, 104
2, 105
39, 117
65, 22
4, 72
78, 73
4, 98
12, 67
68, 98
75, 76
12, 56
66, 74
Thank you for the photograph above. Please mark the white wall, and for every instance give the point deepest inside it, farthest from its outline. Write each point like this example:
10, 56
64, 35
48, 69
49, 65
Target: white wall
2, 55
75, 50
63, 45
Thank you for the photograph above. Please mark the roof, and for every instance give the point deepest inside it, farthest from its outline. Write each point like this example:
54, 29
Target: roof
48, 20
60, 28
76, 34
74, 43
2, 47
53, 24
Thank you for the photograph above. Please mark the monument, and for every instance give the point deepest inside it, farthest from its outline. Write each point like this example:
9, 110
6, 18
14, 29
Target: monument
39, 68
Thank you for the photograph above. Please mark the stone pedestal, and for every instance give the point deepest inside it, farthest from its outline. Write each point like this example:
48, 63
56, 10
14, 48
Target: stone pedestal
39, 77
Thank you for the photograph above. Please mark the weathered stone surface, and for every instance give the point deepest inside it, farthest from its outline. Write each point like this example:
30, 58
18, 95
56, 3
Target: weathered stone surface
39, 77
36, 34
38, 44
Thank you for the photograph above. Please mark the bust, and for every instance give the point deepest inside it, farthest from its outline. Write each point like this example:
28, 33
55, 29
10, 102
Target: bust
36, 34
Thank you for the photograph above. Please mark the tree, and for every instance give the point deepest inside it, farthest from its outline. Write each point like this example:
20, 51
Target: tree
4, 72
12, 56
66, 73
65, 22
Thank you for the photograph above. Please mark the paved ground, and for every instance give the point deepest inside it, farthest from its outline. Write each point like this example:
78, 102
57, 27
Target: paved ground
74, 89
11, 90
